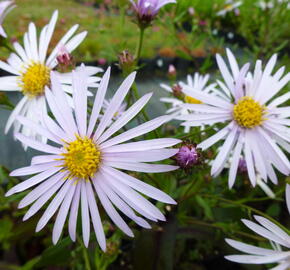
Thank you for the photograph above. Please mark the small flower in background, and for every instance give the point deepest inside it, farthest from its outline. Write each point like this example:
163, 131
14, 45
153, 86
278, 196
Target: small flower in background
86, 160
265, 5
257, 255
256, 124
188, 156
119, 111
171, 72
230, 5
5, 8
146, 10
191, 11
196, 83
102, 61
64, 58
30, 73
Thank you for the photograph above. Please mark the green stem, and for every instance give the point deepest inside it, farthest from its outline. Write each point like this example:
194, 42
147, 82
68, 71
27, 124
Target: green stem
182, 136
85, 254
139, 46
230, 202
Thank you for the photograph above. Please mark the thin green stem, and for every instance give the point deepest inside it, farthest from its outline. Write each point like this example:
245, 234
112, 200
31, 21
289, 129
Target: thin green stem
85, 254
140, 44
230, 202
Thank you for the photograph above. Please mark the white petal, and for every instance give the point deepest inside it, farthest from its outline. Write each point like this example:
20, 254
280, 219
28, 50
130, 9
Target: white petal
99, 99
142, 145
96, 220
74, 212
62, 214
115, 103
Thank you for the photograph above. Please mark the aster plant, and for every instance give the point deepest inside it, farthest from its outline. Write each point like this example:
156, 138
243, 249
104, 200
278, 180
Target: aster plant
5, 8
256, 122
258, 255
88, 160
30, 68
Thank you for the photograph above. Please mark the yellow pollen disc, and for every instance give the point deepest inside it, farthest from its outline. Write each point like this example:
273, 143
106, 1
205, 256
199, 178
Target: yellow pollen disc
227, 7
192, 100
82, 158
34, 79
248, 113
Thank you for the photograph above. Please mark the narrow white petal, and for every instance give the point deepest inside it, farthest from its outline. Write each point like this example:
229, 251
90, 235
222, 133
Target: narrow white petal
72, 225
140, 186
98, 101
32, 181
137, 131
62, 214
54, 205
110, 210
96, 220
115, 104
125, 117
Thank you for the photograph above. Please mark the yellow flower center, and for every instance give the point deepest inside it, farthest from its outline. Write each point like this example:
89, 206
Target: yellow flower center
82, 158
248, 113
228, 7
34, 79
192, 100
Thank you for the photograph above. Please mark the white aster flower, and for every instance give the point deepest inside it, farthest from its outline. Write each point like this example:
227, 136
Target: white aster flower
256, 124
85, 159
258, 255
119, 112
30, 69
230, 5
196, 83
5, 8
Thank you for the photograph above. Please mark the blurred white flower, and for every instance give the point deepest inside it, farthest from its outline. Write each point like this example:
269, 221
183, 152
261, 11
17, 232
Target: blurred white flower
256, 123
196, 83
230, 5
258, 255
5, 8
30, 69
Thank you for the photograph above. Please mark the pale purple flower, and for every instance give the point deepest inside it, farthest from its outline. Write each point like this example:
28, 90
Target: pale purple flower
30, 68
85, 160
256, 125
147, 9
258, 255
5, 8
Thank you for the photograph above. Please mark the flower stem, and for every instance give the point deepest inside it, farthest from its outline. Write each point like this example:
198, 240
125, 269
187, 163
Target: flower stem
139, 46
85, 254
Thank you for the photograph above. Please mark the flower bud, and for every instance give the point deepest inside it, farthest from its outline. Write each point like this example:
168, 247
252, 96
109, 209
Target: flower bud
171, 72
64, 58
188, 156
177, 91
126, 61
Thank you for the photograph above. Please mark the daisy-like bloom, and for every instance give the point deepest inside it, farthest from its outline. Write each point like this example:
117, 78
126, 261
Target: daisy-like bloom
258, 255
196, 83
119, 112
230, 5
256, 124
5, 8
30, 69
85, 160
146, 10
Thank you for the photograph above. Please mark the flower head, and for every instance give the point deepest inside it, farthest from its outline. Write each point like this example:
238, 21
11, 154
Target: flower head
85, 160
256, 125
196, 83
5, 8
146, 10
30, 69
188, 156
258, 255
230, 5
